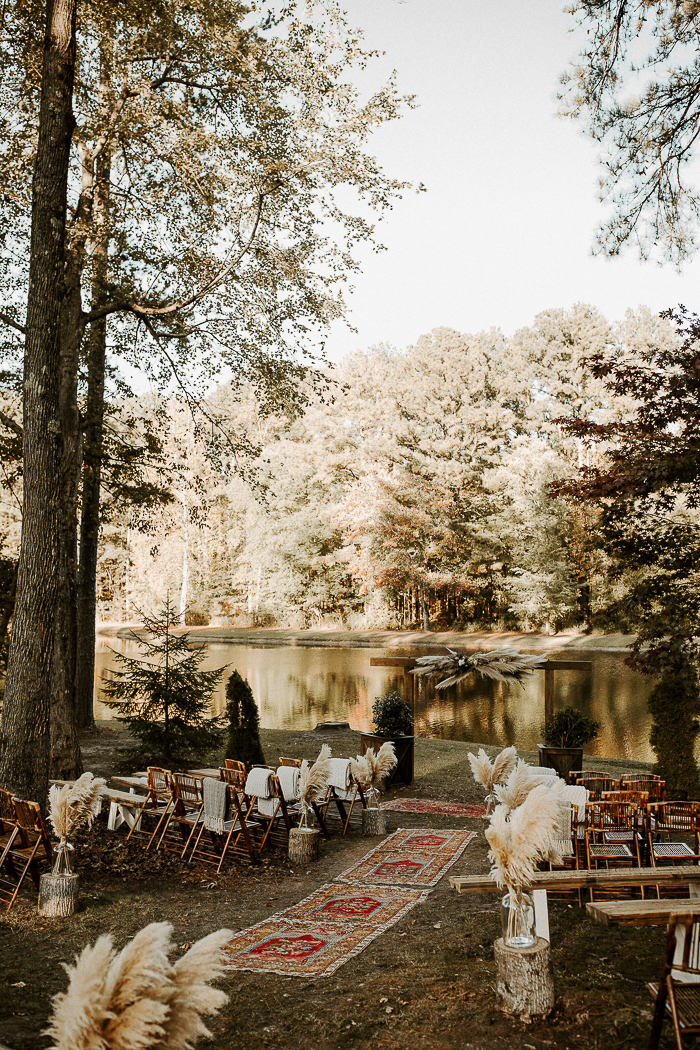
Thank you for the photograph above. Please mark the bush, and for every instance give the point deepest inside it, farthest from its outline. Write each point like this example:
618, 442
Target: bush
672, 737
569, 728
244, 723
391, 715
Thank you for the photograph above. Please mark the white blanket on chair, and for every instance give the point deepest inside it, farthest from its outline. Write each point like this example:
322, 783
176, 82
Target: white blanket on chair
288, 777
340, 778
259, 785
214, 805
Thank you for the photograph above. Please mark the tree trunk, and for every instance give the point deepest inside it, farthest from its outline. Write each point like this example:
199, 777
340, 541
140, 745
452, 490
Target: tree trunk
425, 611
24, 764
303, 845
7, 611
524, 981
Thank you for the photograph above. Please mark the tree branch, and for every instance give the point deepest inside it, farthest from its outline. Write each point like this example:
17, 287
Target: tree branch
12, 324
9, 422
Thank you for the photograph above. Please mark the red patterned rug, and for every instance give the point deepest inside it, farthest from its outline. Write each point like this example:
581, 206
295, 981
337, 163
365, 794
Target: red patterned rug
315, 937
411, 856
447, 809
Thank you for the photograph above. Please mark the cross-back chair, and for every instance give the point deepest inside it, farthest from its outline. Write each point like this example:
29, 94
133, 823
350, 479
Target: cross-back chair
679, 1000
185, 813
156, 805
26, 850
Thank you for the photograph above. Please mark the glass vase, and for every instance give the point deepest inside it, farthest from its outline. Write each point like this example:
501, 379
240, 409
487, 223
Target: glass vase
518, 920
63, 864
490, 803
306, 820
372, 798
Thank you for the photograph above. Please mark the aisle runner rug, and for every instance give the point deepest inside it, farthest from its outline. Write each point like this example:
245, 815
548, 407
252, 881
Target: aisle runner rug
411, 857
315, 937
446, 809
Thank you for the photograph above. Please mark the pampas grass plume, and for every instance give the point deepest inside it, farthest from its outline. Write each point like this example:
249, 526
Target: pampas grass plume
372, 769
518, 785
522, 837
136, 1000
70, 807
313, 779
489, 774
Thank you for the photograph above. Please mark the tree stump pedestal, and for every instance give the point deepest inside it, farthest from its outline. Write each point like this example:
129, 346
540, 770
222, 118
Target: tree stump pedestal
58, 895
524, 980
373, 822
303, 845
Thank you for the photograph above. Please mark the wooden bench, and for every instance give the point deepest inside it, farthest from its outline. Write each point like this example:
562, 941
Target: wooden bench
642, 913
121, 807
589, 878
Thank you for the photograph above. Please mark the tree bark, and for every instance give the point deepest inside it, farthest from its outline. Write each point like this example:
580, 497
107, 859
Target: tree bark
7, 611
524, 981
24, 763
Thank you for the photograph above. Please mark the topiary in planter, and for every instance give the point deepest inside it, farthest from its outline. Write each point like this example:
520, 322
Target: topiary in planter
569, 728
391, 716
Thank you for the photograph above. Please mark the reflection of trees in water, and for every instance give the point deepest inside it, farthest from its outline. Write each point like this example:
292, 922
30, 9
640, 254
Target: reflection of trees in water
297, 687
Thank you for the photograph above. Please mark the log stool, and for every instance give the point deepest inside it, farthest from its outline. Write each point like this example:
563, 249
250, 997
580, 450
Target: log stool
524, 979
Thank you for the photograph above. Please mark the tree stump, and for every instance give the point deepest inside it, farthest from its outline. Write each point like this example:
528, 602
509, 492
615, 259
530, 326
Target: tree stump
524, 979
303, 845
373, 822
58, 895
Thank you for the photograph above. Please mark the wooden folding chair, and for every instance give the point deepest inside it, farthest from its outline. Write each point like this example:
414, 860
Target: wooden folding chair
285, 761
26, 850
237, 836
611, 838
158, 800
679, 1000
341, 800
597, 785
670, 820
579, 774
185, 812
654, 786
233, 763
235, 777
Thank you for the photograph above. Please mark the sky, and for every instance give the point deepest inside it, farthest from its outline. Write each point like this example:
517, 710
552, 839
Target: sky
507, 225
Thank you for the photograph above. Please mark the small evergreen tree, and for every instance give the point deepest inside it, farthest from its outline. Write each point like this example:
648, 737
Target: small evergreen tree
244, 722
164, 696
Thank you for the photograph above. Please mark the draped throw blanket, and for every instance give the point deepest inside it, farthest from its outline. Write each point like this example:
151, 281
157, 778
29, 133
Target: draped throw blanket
259, 784
340, 777
288, 777
214, 805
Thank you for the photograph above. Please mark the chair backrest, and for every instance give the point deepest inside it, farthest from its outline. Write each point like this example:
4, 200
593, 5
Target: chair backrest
656, 789
675, 818
683, 929
640, 776
611, 816
159, 780
188, 789
236, 778
285, 761
639, 797
576, 775
31, 822
597, 785
233, 763
7, 807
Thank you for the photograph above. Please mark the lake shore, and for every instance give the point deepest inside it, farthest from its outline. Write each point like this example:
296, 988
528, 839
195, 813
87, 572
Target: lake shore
341, 639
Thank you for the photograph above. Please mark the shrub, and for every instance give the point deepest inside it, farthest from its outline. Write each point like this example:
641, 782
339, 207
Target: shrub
569, 728
244, 722
391, 715
672, 737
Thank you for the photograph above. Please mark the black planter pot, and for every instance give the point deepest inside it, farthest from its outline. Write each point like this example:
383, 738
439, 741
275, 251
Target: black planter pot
564, 759
403, 745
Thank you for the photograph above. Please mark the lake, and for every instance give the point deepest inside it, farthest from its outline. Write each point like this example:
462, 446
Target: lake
297, 687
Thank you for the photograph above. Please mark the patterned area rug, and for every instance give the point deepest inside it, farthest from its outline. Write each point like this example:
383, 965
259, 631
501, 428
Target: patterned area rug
315, 937
411, 857
420, 805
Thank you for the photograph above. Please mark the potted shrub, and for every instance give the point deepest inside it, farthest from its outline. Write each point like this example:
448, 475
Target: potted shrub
564, 735
393, 721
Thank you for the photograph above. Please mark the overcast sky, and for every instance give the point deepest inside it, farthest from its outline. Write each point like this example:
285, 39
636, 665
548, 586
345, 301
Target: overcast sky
507, 226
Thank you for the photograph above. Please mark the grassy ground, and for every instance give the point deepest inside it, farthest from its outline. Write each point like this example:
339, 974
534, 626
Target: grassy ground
428, 982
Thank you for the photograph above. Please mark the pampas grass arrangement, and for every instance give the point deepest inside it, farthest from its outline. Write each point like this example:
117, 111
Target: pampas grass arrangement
518, 786
502, 665
313, 779
488, 773
372, 769
136, 1000
71, 807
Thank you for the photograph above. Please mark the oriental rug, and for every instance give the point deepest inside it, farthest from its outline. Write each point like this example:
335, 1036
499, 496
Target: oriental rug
445, 809
411, 856
315, 937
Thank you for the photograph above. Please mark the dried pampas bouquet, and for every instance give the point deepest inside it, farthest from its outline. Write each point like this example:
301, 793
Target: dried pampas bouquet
503, 665
371, 770
70, 808
137, 999
488, 773
519, 839
312, 780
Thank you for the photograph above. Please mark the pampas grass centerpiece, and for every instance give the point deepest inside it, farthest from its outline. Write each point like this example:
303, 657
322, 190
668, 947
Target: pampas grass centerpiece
488, 773
312, 780
70, 808
370, 771
136, 1000
502, 665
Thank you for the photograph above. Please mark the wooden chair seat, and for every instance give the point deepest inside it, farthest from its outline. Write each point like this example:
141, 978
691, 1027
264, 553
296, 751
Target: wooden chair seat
28, 848
608, 850
671, 850
183, 815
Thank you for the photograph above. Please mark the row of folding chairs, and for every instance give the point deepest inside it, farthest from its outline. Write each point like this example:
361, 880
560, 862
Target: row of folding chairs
24, 846
597, 782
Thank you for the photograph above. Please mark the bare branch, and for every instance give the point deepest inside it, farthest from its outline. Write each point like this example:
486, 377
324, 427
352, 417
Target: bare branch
10, 423
12, 324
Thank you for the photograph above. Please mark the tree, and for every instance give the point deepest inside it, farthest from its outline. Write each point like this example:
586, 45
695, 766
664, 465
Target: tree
164, 697
648, 495
243, 741
645, 110
225, 137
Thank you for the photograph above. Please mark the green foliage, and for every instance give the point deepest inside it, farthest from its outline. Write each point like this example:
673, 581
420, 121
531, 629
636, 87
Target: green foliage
673, 735
243, 741
570, 728
391, 715
163, 698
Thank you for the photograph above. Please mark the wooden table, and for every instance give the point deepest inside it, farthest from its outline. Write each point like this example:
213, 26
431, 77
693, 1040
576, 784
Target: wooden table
589, 878
210, 772
131, 783
642, 913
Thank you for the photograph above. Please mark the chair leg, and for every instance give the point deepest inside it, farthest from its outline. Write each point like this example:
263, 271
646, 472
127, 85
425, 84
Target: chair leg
658, 1020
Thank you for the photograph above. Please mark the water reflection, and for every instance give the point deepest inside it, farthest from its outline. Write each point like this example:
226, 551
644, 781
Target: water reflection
296, 687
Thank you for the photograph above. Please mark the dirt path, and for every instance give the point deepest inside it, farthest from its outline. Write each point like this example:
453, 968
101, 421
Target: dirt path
428, 982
